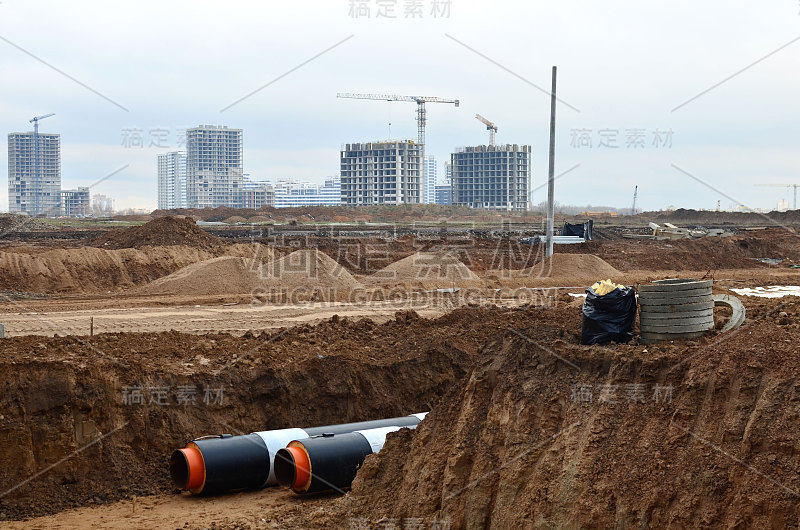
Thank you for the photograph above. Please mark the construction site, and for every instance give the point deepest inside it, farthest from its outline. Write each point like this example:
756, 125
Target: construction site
130, 347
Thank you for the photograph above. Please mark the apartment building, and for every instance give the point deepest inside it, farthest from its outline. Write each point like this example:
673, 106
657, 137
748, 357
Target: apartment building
34, 174
376, 173
492, 177
214, 174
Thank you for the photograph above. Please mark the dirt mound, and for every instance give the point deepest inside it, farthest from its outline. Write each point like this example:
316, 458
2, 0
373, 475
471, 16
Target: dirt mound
311, 269
78, 399
235, 219
162, 231
89, 269
441, 269
12, 222
259, 219
574, 269
709, 253
223, 275
708, 218
692, 434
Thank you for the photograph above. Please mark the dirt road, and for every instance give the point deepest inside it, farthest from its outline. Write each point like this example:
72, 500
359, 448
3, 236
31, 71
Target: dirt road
235, 319
267, 508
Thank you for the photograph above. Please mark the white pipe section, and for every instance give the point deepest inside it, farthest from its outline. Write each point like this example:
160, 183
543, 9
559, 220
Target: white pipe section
275, 441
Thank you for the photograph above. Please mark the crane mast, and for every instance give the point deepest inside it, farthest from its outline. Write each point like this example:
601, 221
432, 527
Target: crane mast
36, 182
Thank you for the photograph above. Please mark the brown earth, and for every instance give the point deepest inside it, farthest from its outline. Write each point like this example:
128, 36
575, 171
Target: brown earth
738, 251
684, 216
162, 231
307, 268
307, 214
434, 269
512, 444
303, 269
11, 222
89, 269
224, 275
434, 212
63, 411
508, 445
545, 433
46, 269
572, 269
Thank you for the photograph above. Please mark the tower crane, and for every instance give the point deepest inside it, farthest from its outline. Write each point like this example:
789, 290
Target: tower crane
794, 186
37, 184
491, 127
635, 195
419, 100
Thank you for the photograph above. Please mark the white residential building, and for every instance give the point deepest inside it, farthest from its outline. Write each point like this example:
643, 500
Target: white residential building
257, 194
213, 167
172, 180
293, 193
430, 179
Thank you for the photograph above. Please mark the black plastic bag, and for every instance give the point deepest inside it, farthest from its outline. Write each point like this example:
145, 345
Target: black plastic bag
608, 318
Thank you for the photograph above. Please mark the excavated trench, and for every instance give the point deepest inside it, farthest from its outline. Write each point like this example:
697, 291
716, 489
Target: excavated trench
545, 433
91, 420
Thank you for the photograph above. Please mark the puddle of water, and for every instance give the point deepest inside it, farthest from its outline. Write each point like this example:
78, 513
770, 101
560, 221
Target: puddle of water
773, 291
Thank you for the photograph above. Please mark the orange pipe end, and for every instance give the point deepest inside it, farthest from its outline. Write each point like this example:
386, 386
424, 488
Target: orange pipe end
302, 466
196, 467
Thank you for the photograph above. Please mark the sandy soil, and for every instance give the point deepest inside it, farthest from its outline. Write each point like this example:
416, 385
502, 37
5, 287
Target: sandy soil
490, 363
234, 319
268, 508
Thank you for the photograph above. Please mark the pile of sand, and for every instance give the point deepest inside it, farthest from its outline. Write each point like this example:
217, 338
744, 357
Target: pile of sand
428, 268
162, 231
572, 268
309, 270
91, 269
224, 275
259, 219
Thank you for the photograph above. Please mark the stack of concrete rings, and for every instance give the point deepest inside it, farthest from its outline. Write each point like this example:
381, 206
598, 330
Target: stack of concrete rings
675, 309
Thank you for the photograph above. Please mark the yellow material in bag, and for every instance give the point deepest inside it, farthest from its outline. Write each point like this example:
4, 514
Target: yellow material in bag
604, 287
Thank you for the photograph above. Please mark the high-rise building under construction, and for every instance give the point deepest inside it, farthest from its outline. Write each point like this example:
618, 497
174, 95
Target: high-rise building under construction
382, 173
214, 174
34, 173
492, 177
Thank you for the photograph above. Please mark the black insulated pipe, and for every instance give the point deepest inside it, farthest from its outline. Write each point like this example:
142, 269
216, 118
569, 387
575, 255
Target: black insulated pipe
332, 462
224, 463
230, 463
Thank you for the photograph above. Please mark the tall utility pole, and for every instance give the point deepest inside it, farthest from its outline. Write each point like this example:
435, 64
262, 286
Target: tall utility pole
37, 184
551, 172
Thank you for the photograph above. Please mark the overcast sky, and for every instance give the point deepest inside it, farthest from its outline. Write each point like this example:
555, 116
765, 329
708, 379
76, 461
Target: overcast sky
628, 74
